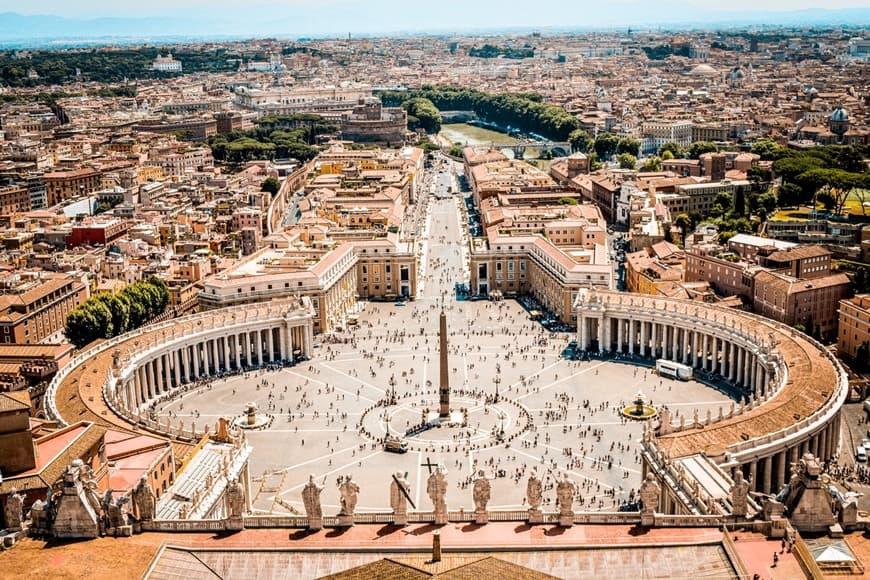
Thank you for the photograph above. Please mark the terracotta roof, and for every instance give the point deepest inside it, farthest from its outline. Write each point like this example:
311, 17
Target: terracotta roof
14, 401
56, 451
798, 253
452, 567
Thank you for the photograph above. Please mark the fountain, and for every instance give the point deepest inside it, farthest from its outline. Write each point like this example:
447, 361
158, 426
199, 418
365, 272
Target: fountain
250, 419
639, 410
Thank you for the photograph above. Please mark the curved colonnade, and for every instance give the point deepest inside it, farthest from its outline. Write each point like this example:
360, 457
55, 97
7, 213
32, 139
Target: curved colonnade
795, 385
137, 368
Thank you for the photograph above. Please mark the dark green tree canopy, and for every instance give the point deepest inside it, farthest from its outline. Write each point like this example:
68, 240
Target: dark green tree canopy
106, 315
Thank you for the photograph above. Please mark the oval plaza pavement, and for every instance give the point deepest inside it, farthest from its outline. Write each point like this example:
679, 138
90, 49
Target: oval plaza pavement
320, 395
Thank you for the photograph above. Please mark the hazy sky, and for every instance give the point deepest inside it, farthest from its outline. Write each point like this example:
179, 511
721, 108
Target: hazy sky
558, 11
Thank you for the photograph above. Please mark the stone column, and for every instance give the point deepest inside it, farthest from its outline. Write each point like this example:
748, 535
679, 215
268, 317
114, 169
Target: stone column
258, 348
643, 338
780, 470
309, 340
270, 343
134, 390
767, 473
160, 386
149, 380
685, 358
186, 364
619, 338
215, 355
753, 474
176, 367
631, 336
142, 384
824, 445
675, 342
246, 347
704, 346
695, 340
167, 372
599, 333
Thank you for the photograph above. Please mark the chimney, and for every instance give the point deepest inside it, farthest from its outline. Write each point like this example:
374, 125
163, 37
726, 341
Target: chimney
436, 546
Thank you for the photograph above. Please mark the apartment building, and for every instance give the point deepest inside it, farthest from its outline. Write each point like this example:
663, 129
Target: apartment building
63, 185
33, 306
525, 264
812, 303
854, 330
657, 133
14, 199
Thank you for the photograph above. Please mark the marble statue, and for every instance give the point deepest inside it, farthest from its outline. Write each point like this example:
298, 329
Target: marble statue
565, 491
144, 500
649, 495
436, 489
399, 489
349, 490
14, 512
534, 491
739, 494
40, 517
116, 515
481, 491
311, 501
235, 495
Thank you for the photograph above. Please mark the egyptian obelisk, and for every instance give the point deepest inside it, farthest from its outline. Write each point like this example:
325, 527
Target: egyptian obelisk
444, 389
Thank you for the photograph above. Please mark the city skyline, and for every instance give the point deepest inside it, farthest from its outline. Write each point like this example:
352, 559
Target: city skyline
299, 18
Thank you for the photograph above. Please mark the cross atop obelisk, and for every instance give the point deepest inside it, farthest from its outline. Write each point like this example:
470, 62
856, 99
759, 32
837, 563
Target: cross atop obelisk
444, 388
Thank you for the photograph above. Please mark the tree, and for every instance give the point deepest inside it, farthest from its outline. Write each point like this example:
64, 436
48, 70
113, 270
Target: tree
723, 199
862, 357
758, 174
667, 155
862, 196
580, 140
789, 194
724, 236
670, 147
107, 315
422, 113
626, 161
271, 184
861, 280
628, 145
767, 149
605, 145
684, 222
698, 148
651, 164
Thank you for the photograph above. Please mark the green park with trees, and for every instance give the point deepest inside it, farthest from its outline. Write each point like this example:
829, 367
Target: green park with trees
106, 315
275, 137
57, 67
525, 112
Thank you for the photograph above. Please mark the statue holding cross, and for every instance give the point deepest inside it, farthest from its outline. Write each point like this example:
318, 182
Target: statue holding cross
436, 488
399, 499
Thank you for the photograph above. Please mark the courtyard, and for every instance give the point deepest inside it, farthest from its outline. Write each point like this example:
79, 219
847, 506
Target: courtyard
519, 405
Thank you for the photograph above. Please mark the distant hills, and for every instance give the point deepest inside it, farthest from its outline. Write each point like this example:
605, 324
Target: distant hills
340, 17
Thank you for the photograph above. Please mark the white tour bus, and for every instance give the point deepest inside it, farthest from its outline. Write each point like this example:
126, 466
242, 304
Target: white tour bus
674, 370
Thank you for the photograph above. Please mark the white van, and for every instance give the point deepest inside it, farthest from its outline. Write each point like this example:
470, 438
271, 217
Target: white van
861, 455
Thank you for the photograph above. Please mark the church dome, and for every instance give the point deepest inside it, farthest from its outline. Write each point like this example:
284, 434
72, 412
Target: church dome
704, 70
839, 115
